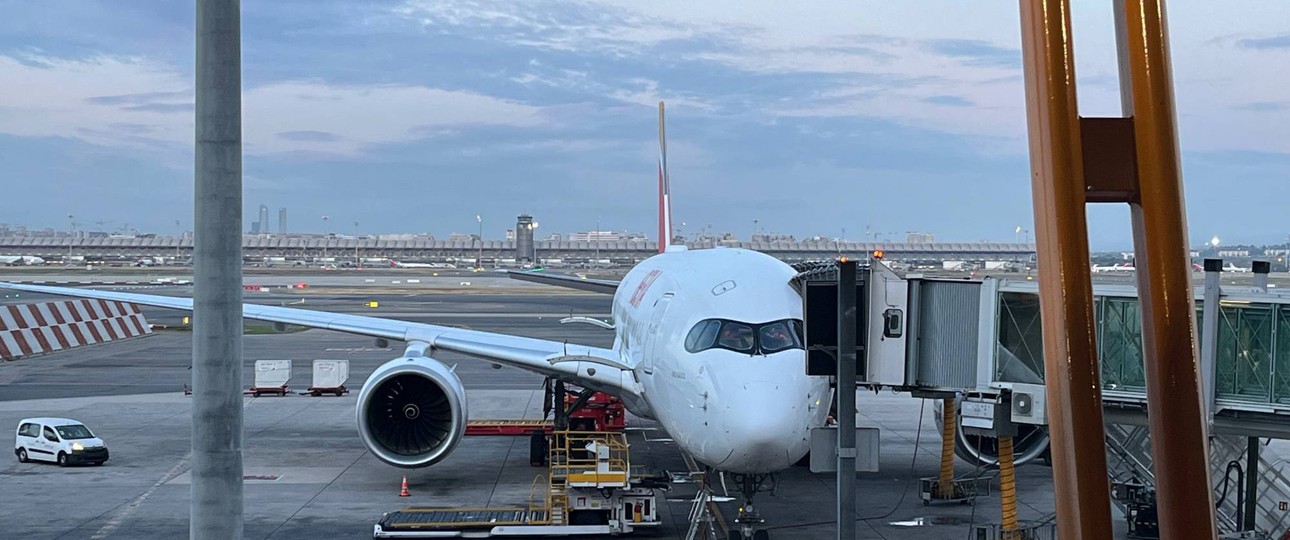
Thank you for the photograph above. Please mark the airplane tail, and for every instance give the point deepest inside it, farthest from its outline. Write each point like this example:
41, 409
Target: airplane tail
664, 188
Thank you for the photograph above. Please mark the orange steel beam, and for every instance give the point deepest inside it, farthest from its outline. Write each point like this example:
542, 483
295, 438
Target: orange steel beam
1179, 447
1072, 377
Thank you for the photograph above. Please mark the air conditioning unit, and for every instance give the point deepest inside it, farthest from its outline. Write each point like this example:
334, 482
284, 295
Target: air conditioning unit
1029, 405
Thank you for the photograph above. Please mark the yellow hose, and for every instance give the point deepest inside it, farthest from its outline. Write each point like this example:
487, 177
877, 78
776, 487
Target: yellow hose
949, 423
1008, 488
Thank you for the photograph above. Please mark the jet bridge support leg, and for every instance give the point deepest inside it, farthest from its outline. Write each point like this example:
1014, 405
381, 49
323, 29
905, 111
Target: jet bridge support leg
949, 425
1008, 488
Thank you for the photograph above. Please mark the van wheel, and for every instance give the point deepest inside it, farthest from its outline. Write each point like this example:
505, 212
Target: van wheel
22, 455
62, 459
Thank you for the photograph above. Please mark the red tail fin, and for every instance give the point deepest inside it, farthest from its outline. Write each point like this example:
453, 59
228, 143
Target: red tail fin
664, 188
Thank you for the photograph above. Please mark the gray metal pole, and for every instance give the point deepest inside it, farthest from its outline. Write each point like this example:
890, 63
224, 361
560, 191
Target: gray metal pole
216, 508
1209, 333
1251, 483
846, 400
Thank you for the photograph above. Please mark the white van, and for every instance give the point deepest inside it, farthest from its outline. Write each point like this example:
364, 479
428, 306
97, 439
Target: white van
60, 440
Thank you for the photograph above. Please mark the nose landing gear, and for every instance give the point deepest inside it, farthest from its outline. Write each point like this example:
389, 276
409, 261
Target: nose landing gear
748, 524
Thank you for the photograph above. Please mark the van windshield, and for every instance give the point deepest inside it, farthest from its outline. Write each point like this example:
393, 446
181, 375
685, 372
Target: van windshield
74, 432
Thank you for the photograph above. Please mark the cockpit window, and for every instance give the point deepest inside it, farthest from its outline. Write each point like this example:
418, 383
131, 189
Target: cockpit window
775, 337
744, 337
702, 336
736, 336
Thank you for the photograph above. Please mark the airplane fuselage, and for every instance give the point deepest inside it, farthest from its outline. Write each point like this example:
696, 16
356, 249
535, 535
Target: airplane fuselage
20, 260
740, 406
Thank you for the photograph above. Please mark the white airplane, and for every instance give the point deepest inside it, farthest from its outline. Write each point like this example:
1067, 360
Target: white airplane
707, 342
1100, 269
20, 260
1229, 267
397, 264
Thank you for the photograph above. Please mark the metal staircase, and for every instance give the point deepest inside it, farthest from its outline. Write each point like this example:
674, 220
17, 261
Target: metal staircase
557, 502
1129, 463
581, 459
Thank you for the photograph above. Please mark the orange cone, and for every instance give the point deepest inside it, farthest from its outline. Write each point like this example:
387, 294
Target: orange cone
403, 492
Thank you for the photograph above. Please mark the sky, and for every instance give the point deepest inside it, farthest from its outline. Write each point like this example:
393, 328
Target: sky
804, 119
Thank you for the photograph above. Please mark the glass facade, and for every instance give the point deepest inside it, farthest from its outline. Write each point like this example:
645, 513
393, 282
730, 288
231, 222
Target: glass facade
1252, 338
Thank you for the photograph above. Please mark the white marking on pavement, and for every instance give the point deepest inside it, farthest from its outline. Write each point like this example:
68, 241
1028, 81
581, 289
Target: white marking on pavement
130, 508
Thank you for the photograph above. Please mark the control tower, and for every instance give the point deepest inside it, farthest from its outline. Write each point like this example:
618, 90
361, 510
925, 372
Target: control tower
524, 248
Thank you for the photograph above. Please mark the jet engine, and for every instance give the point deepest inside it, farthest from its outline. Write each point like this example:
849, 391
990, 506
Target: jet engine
1030, 442
412, 412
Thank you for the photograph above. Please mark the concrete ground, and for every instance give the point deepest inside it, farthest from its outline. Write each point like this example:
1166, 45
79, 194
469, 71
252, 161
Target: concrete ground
310, 475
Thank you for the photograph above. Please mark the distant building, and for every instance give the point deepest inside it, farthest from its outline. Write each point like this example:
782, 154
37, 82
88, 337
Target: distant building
912, 237
282, 221
510, 235
605, 236
255, 227
768, 238
1234, 253
405, 237
462, 237
264, 219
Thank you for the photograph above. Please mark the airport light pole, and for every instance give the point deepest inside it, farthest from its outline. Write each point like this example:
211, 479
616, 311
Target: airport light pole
71, 219
479, 263
357, 264
216, 505
324, 238
533, 232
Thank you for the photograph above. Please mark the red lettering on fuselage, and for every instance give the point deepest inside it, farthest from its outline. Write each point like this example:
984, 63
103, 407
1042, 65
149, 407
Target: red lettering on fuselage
644, 286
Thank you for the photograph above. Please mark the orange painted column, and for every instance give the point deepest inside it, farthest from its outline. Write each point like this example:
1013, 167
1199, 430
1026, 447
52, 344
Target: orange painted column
1072, 377
1176, 412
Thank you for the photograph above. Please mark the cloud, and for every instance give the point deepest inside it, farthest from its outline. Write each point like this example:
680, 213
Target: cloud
863, 66
87, 98
134, 103
1273, 42
365, 116
953, 101
308, 136
1265, 106
977, 53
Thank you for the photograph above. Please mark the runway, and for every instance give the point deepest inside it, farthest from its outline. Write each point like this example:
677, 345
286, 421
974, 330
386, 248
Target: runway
309, 475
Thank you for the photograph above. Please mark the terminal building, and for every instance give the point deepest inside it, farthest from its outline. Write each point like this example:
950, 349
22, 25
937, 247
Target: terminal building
521, 247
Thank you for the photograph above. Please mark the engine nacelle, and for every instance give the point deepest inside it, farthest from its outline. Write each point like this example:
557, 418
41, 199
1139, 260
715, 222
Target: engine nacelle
1029, 443
412, 412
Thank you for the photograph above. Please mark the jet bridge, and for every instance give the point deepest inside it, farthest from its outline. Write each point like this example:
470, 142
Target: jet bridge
981, 341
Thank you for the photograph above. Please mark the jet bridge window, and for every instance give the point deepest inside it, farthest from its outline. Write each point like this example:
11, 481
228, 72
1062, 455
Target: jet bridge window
765, 338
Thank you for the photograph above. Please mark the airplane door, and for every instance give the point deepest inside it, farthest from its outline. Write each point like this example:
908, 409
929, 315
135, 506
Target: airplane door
652, 331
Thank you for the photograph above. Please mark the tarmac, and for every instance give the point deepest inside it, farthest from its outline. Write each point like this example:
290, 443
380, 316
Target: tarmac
308, 474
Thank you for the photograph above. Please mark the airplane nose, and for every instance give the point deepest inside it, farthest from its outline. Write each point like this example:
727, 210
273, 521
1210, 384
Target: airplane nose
766, 427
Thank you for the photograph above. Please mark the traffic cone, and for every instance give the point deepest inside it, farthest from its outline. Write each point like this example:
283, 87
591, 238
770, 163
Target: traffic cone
403, 492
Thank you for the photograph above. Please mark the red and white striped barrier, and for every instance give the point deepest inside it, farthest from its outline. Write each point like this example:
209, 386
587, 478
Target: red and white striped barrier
31, 329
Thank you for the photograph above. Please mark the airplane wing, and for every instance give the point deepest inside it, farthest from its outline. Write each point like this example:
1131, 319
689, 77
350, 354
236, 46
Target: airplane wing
549, 358
603, 286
